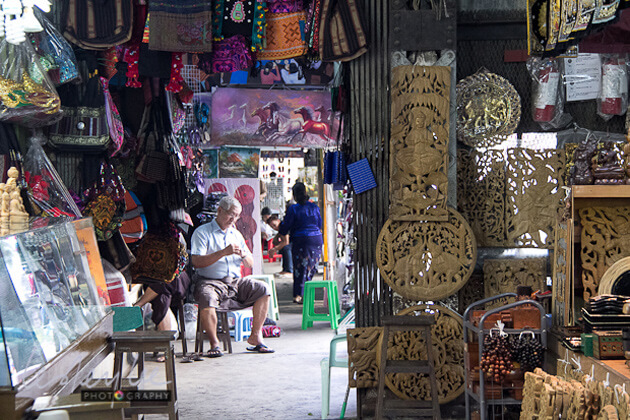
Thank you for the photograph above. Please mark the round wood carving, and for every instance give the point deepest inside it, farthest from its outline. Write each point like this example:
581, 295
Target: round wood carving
611, 275
488, 109
448, 354
426, 260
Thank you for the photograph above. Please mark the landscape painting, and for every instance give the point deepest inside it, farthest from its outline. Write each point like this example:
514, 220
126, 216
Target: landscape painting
274, 117
238, 162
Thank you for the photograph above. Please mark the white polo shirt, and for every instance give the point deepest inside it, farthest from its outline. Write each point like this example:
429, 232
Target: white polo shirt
210, 238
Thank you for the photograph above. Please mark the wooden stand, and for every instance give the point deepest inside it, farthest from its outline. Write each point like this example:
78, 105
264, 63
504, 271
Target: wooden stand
145, 342
431, 408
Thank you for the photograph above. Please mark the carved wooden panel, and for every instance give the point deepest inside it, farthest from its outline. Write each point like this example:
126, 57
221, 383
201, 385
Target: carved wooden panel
419, 143
481, 194
504, 275
426, 260
362, 366
562, 286
448, 352
533, 196
605, 240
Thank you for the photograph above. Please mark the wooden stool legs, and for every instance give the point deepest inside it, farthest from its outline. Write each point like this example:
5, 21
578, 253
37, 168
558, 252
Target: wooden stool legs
223, 332
412, 408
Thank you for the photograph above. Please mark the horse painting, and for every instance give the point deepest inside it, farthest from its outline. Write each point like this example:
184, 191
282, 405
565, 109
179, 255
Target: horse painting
318, 128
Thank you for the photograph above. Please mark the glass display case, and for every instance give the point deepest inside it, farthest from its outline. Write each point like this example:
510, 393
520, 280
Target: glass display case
48, 299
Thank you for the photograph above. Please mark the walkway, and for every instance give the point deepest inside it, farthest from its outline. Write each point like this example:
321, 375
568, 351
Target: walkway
285, 385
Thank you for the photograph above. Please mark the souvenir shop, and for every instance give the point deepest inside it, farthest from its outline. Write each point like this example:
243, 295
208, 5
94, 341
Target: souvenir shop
472, 176
123, 123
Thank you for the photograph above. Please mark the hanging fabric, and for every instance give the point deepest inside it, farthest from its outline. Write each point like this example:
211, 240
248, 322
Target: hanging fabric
342, 31
180, 26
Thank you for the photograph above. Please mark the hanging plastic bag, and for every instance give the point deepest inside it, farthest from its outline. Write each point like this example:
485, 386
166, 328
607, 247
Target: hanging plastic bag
547, 93
27, 95
51, 44
613, 92
46, 190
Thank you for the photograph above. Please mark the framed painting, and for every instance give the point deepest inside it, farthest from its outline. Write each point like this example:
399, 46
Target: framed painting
261, 117
238, 162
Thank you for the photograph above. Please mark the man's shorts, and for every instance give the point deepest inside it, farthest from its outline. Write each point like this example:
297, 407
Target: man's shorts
228, 294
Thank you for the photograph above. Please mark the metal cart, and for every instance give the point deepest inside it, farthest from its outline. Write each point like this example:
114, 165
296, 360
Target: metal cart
481, 332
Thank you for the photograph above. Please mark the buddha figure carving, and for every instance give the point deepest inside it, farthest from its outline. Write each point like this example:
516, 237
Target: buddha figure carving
607, 167
13, 217
582, 173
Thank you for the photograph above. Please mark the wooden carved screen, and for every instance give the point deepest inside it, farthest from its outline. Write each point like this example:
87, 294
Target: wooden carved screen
419, 143
511, 198
605, 240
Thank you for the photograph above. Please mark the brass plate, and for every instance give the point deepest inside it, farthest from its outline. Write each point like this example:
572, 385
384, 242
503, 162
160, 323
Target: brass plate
488, 109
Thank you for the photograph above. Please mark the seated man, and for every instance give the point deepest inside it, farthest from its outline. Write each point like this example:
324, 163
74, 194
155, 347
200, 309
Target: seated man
217, 252
282, 245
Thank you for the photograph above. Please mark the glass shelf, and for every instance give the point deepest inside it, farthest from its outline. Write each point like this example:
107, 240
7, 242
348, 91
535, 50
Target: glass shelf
48, 298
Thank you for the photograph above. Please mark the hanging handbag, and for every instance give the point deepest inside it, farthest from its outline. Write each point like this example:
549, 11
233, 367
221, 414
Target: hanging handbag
159, 256
154, 161
83, 127
105, 202
97, 24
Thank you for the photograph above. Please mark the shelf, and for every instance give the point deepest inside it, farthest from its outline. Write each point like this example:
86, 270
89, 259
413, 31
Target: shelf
600, 191
499, 401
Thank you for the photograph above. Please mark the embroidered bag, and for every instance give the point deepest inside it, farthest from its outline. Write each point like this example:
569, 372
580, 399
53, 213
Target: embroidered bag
83, 127
159, 256
228, 55
97, 24
105, 202
134, 225
285, 6
285, 36
240, 17
180, 26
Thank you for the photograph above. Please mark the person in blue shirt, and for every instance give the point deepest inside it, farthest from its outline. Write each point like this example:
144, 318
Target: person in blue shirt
217, 251
303, 224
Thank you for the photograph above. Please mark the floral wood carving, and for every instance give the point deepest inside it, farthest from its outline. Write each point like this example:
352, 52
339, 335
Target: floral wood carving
427, 260
448, 351
605, 240
362, 366
533, 196
504, 275
481, 194
419, 143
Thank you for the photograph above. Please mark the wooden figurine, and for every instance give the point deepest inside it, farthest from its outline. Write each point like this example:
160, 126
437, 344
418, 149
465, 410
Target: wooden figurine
582, 174
606, 166
13, 217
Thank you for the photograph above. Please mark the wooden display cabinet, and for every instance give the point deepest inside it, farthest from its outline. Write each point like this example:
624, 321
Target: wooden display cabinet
583, 196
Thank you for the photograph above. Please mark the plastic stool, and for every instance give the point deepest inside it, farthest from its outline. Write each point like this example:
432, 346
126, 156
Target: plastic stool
274, 310
308, 310
326, 364
242, 324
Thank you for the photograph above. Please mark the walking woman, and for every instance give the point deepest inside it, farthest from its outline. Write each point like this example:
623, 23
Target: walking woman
303, 224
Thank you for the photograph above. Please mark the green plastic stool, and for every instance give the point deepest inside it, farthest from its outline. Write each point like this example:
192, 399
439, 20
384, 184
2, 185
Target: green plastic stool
308, 310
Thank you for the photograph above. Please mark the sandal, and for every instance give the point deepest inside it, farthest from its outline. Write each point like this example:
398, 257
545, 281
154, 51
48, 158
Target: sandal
298, 300
214, 352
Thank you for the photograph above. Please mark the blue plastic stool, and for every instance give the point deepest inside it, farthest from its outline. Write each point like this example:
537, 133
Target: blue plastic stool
242, 324
326, 364
308, 309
